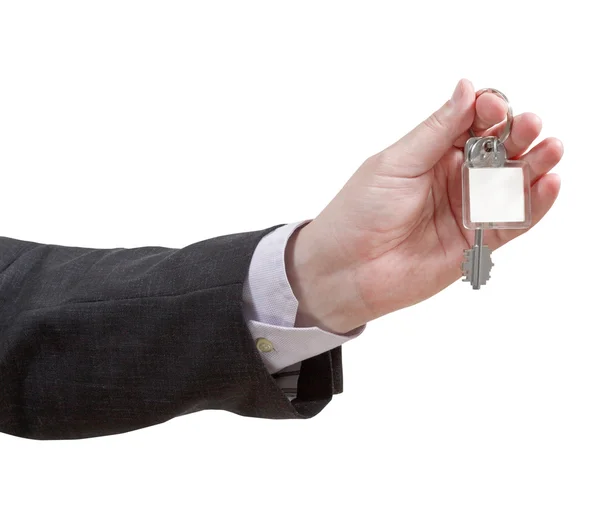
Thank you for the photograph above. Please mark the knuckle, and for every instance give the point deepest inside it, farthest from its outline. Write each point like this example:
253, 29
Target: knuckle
383, 161
435, 123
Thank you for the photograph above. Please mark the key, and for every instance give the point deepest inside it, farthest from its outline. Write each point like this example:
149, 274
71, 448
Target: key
495, 195
477, 262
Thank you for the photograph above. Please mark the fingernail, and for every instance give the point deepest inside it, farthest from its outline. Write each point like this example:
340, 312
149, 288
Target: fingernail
459, 91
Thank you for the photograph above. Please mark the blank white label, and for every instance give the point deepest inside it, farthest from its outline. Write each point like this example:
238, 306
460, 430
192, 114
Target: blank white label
496, 195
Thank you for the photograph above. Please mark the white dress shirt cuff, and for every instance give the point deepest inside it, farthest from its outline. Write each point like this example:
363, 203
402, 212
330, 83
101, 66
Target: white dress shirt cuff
270, 307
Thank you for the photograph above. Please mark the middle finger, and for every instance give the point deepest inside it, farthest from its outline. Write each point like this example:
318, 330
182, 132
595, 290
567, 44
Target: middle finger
525, 129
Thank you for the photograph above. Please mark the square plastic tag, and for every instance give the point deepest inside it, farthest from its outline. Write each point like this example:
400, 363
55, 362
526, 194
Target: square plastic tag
496, 191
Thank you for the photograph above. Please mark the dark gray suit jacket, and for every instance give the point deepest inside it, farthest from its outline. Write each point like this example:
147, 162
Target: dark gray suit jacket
103, 341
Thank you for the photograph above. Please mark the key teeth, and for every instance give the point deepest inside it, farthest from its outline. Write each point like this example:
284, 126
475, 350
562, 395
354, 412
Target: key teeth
486, 266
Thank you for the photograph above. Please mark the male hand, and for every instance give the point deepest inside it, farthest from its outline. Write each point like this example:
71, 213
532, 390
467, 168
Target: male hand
393, 235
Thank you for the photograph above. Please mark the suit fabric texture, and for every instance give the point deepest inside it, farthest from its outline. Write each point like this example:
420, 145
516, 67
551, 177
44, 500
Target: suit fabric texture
96, 342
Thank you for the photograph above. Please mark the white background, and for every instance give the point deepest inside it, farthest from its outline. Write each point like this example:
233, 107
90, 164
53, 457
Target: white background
130, 123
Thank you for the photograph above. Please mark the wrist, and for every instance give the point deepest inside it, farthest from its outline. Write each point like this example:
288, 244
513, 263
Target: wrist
323, 287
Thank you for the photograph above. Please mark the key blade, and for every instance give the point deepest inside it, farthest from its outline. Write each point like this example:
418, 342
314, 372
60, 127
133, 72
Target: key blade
477, 265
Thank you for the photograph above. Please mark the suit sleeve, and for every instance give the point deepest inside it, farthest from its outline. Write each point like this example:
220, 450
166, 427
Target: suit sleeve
103, 341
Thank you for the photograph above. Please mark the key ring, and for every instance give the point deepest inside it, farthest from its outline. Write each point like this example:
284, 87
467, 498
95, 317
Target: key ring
509, 114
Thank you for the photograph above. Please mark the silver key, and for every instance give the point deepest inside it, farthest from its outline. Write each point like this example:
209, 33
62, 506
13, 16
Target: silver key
495, 195
477, 262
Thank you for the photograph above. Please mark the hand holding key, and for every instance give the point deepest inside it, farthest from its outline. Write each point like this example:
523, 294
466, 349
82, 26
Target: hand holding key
394, 234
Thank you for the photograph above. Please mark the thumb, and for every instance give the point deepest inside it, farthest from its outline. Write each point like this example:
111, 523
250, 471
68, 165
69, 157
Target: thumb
419, 150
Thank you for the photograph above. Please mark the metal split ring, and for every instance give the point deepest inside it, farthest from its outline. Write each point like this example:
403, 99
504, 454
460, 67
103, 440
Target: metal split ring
509, 114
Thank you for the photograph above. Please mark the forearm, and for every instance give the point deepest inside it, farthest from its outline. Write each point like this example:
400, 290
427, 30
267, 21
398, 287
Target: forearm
96, 342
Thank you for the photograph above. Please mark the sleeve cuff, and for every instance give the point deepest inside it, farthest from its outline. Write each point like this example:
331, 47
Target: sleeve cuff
292, 345
270, 307
268, 296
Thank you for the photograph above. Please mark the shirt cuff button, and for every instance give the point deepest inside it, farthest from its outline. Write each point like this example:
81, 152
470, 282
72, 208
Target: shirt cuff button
264, 345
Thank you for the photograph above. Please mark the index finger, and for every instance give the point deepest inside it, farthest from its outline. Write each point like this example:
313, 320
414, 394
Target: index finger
490, 110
